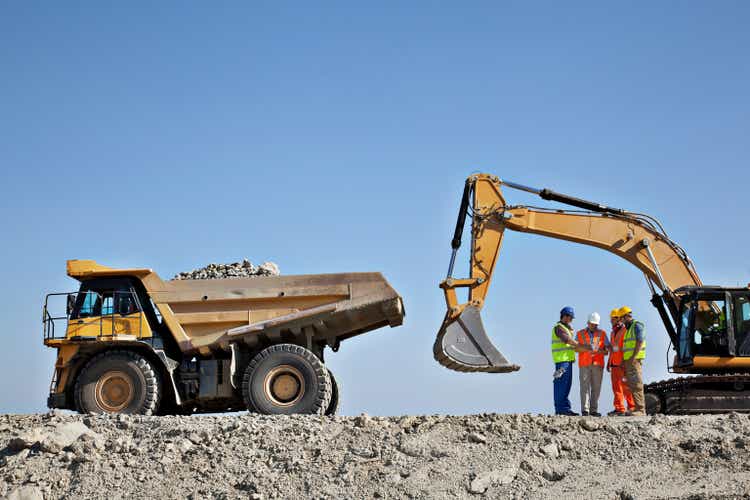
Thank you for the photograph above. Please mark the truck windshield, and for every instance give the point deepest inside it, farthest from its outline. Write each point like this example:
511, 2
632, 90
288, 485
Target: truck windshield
104, 302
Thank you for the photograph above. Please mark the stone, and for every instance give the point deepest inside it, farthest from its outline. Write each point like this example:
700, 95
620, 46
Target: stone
26, 439
495, 477
551, 450
552, 473
242, 269
589, 424
475, 437
25, 492
64, 435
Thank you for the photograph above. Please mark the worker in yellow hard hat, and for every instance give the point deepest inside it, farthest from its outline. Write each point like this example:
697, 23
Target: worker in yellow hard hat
633, 354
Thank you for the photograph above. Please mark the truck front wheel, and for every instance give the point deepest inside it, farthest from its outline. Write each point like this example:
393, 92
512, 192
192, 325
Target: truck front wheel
284, 379
117, 382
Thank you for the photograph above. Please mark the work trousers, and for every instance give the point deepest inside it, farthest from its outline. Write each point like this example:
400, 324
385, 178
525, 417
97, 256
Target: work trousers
561, 384
590, 381
634, 376
623, 397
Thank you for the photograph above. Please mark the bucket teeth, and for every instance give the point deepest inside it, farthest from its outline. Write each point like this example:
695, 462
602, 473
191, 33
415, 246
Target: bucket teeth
462, 345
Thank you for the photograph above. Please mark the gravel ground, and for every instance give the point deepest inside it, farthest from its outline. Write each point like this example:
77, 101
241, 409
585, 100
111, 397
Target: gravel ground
58, 455
242, 269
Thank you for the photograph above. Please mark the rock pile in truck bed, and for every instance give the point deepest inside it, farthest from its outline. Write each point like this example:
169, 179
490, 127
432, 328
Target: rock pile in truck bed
480, 456
242, 269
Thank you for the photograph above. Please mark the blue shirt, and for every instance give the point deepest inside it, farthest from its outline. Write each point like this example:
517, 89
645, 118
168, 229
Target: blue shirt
638, 329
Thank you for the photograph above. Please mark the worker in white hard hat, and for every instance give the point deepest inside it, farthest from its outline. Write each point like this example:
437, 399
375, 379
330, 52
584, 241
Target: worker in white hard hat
591, 364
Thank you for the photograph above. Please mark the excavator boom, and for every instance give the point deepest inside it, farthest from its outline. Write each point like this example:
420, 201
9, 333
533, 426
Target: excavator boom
462, 343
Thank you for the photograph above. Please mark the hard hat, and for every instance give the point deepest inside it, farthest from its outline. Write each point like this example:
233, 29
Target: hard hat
568, 311
594, 318
624, 310
615, 313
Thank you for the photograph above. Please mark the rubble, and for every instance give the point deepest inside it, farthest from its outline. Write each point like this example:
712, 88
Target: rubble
242, 269
442, 457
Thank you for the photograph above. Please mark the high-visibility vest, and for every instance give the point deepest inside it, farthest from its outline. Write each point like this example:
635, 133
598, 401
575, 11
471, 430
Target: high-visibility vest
628, 347
617, 340
560, 350
587, 358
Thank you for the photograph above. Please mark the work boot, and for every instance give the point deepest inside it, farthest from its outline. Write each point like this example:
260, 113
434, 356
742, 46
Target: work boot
615, 413
584, 414
595, 414
568, 413
637, 413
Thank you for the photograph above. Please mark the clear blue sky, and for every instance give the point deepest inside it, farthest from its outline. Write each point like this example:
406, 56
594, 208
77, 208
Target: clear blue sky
334, 137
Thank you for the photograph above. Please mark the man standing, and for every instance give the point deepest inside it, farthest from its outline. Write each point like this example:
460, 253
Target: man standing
564, 355
623, 398
633, 354
591, 365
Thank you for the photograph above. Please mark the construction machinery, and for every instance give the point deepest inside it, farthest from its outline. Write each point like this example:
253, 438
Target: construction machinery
129, 342
708, 326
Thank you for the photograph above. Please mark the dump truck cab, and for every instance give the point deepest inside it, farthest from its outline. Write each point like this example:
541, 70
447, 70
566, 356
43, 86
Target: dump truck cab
129, 342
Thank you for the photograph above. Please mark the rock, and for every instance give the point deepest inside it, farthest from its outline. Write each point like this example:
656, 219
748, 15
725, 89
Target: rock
362, 420
64, 435
551, 450
496, 477
25, 492
26, 439
268, 269
589, 424
475, 437
553, 473
184, 446
242, 269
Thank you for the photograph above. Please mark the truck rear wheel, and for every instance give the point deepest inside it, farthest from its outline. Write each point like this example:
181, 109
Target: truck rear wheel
117, 382
333, 406
284, 379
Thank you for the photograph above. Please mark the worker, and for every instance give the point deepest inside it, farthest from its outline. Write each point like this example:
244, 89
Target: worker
633, 354
623, 398
564, 349
591, 365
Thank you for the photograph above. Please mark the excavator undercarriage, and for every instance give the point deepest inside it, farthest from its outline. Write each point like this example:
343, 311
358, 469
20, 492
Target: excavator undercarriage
708, 326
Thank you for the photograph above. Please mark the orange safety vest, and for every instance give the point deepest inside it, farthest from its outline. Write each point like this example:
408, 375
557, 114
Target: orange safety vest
588, 358
617, 340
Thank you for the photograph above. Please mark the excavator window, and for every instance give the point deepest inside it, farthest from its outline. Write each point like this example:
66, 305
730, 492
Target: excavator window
742, 324
710, 328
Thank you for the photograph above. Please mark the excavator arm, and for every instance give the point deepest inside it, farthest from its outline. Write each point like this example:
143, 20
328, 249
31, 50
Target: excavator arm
462, 343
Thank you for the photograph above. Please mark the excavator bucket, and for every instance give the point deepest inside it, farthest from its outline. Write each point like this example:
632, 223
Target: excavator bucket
462, 345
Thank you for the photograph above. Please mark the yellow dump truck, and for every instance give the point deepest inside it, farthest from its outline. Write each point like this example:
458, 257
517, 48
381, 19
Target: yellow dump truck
130, 342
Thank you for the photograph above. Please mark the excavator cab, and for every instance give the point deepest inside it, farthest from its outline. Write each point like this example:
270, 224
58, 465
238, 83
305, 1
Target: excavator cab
714, 322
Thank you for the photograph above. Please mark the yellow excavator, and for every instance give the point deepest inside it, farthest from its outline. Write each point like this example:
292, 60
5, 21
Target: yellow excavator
708, 326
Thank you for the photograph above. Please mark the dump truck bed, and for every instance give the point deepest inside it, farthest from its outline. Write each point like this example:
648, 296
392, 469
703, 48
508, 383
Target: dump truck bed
334, 307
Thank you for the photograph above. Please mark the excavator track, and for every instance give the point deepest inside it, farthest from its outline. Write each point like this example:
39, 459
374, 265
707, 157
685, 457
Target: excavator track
699, 394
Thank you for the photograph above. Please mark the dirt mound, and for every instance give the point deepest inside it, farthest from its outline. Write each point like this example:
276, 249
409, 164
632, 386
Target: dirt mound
495, 456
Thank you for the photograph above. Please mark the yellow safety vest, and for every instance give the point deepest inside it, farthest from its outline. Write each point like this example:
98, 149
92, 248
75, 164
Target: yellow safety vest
628, 347
560, 350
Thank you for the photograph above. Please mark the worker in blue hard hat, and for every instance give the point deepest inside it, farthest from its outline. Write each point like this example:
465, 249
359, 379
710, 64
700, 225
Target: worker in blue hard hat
564, 348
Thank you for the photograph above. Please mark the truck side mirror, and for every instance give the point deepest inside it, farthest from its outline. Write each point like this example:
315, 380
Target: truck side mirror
70, 304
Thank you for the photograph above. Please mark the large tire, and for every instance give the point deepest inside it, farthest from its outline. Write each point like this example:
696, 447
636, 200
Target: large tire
284, 379
335, 403
118, 382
